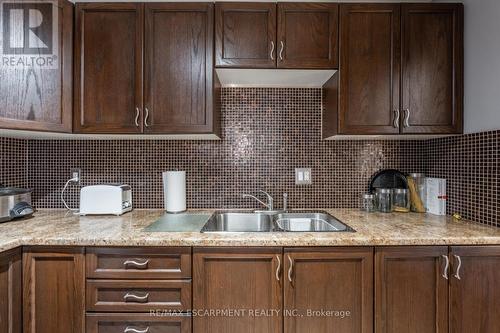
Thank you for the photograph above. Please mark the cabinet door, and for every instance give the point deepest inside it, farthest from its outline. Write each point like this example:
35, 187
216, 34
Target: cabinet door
40, 97
307, 35
108, 68
239, 279
370, 67
337, 280
179, 68
11, 291
411, 289
245, 35
54, 289
474, 289
432, 46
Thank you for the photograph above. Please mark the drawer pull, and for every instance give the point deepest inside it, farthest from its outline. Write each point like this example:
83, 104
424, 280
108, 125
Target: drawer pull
136, 263
135, 330
134, 298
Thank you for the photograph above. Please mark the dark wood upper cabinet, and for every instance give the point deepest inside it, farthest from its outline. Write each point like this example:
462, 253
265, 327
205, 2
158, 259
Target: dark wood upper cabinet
370, 69
53, 290
245, 34
178, 67
401, 70
11, 291
339, 279
36, 97
179, 91
474, 289
108, 68
307, 35
432, 44
283, 35
411, 290
237, 278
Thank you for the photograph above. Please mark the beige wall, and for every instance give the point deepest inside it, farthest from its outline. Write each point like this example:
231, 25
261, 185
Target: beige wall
482, 65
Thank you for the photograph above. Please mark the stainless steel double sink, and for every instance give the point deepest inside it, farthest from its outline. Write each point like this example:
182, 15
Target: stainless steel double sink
278, 222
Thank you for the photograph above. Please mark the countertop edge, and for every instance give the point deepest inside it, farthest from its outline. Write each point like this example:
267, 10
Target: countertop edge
374, 242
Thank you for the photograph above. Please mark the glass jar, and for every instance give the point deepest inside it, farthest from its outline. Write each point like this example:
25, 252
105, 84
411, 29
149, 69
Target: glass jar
384, 200
368, 203
401, 200
421, 188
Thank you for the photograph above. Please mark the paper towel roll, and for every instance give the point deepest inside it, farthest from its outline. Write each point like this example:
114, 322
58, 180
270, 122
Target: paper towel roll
174, 191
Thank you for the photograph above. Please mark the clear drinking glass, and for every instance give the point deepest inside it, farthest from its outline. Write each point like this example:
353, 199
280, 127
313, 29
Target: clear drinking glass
384, 200
368, 203
401, 200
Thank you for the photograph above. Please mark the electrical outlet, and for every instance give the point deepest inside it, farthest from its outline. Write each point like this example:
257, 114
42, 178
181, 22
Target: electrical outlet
75, 174
303, 176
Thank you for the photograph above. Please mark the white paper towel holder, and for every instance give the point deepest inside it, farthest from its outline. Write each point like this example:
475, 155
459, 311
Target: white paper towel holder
177, 177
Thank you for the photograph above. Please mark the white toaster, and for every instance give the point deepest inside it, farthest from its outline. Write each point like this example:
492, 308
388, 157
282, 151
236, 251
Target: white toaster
112, 199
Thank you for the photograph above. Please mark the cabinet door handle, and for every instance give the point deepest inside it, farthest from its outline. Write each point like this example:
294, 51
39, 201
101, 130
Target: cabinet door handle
135, 330
278, 269
446, 266
136, 263
135, 298
407, 118
457, 273
281, 49
137, 113
146, 117
290, 270
272, 50
396, 118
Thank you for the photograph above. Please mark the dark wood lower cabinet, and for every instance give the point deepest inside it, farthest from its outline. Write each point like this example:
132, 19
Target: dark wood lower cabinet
11, 291
133, 323
54, 289
242, 279
328, 290
474, 289
411, 289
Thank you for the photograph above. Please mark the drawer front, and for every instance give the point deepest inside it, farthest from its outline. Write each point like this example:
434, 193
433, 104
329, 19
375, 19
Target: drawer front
137, 323
138, 296
138, 263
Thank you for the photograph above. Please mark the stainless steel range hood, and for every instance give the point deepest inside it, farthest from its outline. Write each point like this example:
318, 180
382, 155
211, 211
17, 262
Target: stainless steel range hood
274, 78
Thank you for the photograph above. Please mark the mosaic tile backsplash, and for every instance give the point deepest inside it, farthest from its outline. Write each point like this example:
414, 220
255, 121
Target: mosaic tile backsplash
470, 164
13, 162
267, 133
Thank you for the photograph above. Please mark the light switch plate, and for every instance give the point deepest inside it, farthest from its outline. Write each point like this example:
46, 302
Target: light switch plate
303, 176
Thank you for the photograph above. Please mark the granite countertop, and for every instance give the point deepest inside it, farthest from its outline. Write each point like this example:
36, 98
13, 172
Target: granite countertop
58, 227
